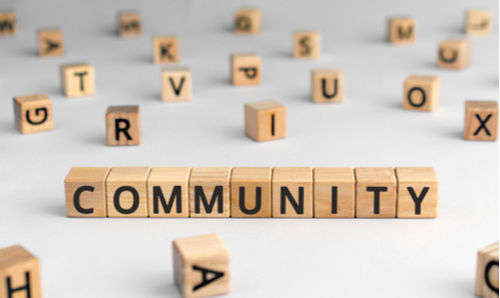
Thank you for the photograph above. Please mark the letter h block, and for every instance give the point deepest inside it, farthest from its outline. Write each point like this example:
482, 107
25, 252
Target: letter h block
19, 273
168, 192
251, 192
209, 192
292, 192
246, 69
33, 113
418, 192
126, 192
265, 120
123, 126
327, 85
375, 192
421, 93
77, 79
401, 30
85, 189
487, 272
454, 54
481, 120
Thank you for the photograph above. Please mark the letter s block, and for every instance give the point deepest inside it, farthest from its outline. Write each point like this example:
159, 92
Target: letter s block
292, 192
85, 190
401, 30
454, 54
19, 273
265, 120
123, 126
77, 79
126, 192
306, 44
421, 93
418, 192
487, 272
33, 113
209, 192
201, 266
375, 192
8, 25
327, 85
481, 120
248, 21
246, 69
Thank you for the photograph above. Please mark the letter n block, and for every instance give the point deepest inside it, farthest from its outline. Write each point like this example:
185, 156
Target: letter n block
248, 21
168, 192
85, 189
481, 120
176, 84
327, 85
454, 54
251, 192
306, 44
418, 192
50, 42
33, 113
8, 25
209, 192
126, 192
487, 272
333, 192
123, 126
292, 192
478, 22
77, 79
19, 273
421, 93
401, 30
265, 120
130, 24
245, 69
375, 192
201, 266
166, 49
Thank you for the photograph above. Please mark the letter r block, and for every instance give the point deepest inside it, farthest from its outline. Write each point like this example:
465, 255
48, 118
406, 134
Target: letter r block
265, 120
418, 192
77, 79
306, 44
19, 273
85, 190
327, 85
123, 126
248, 21
176, 84
401, 30
421, 93
454, 54
251, 192
8, 25
292, 192
481, 120
375, 192
246, 69
487, 272
209, 192
33, 113
126, 192
168, 192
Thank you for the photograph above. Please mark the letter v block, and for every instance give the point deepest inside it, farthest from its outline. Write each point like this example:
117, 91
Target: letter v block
481, 120
168, 192
33, 113
209, 192
327, 85
246, 69
201, 266
375, 192
454, 54
77, 79
126, 192
421, 93
251, 192
85, 190
487, 272
176, 84
292, 192
401, 30
19, 273
418, 192
265, 120
123, 126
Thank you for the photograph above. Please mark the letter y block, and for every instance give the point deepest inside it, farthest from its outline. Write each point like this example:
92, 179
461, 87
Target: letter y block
123, 126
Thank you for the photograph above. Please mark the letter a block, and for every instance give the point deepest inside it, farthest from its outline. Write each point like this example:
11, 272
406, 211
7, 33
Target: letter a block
201, 266
251, 192
126, 192
306, 44
401, 30
245, 69
85, 190
265, 120
418, 192
168, 192
487, 272
333, 192
248, 21
454, 54
421, 93
478, 22
481, 120
33, 113
50, 42
209, 192
19, 273
176, 84
8, 25
327, 85
123, 126
375, 192
129, 24
166, 49
292, 190
77, 79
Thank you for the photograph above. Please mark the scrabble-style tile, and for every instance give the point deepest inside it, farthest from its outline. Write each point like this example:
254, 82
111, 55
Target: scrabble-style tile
251, 192
292, 192
129, 24
33, 113
248, 21
168, 192
265, 120
401, 30
327, 85
481, 120
8, 24
176, 84
85, 189
209, 192
77, 79
487, 272
454, 54
166, 49
123, 126
418, 192
246, 69
201, 266
375, 192
421, 93
478, 22
334, 192
50, 42
126, 192
306, 44
19, 273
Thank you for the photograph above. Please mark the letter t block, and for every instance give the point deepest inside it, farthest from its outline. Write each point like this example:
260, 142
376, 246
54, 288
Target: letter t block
123, 126
77, 79
375, 192
19, 273
265, 120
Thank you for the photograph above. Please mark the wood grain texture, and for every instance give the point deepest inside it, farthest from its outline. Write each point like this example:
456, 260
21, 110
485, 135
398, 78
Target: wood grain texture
166, 49
248, 21
487, 272
292, 192
478, 22
401, 30
418, 192
481, 120
306, 45
129, 24
176, 84
327, 85
18, 268
126, 192
9, 23
421, 93
170, 184
265, 120
33, 113
209, 192
50, 42
454, 54
334, 192
375, 192
77, 79
245, 69
123, 126
89, 186
251, 192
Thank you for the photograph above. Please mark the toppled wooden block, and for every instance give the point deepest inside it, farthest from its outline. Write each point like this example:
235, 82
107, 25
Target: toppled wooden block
123, 126
50, 42
421, 93
418, 192
248, 21
33, 113
265, 120
129, 24
334, 192
401, 30
454, 54
166, 49
168, 192
8, 24
126, 192
209, 192
292, 191
306, 44
19, 273
77, 79
246, 69
376, 192
176, 84
487, 272
478, 22
327, 85
251, 192
85, 189
481, 120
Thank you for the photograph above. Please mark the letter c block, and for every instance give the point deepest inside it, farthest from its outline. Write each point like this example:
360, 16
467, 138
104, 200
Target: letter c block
487, 272
19, 273
85, 189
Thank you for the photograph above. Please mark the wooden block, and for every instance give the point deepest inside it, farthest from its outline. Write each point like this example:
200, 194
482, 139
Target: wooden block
19, 273
327, 85
8, 24
33, 113
85, 189
166, 49
168, 192
292, 192
333, 192
126, 192
123, 126
401, 30
248, 21
130, 24
478, 22
481, 120
50, 42
201, 266
418, 192
454, 54
77, 79
251, 192
209, 192
306, 44
375, 192
246, 69
176, 84
487, 272
421, 93
265, 120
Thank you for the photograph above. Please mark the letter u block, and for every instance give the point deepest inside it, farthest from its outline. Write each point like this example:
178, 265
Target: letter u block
306, 44
85, 189
478, 22
454, 54
251, 192
166, 49
209, 192
401, 30
123, 126
481, 120
33, 113
418, 192
292, 191
375, 192
19, 273
265, 120
77, 79
168, 192
327, 85
126, 192
487, 272
248, 21
334, 192
421, 93
246, 69
8, 25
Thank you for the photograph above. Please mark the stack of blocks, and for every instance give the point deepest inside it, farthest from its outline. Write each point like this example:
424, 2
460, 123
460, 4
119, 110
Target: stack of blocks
19, 273
487, 272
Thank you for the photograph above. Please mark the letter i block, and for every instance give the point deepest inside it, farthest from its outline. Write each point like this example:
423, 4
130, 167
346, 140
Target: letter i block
333, 192
209, 192
306, 44
123, 126
248, 21
85, 190
126, 192
292, 192
245, 69
130, 24
8, 25
201, 266
421, 93
19, 273
418, 192
487, 272
33, 113
401, 30
176, 84
327, 85
481, 120
478, 22
168, 192
375, 192
77, 79
166, 49
251, 192
50, 42
265, 120
454, 54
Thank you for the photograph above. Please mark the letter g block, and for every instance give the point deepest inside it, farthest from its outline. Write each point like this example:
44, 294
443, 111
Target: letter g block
33, 113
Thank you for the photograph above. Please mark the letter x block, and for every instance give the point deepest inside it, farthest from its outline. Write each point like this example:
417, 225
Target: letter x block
454, 54
247, 21
166, 49
123, 126
77, 79
481, 120
209, 192
306, 44
50, 42
126, 192
33, 113
85, 189
401, 30
327, 85
265, 120
201, 266
487, 272
8, 25
418, 192
19, 273
130, 24
176, 84
478, 22
375, 192
246, 69
421, 93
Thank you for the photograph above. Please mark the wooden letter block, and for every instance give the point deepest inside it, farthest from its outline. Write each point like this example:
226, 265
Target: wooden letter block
209, 192
333, 192
265, 120
306, 44
33, 113
418, 192
19, 273
248, 21
478, 22
166, 49
375, 192
8, 25
126, 189
50, 42
251, 192
292, 192
168, 192
201, 266
481, 120
130, 24
78, 79
176, 84
454, 54
401, 30
245, 69
85, 190
123, 126
421, 93
487, 272
327, 85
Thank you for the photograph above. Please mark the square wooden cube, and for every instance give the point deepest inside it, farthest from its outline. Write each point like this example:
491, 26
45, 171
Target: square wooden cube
421, 93
454, 54
19, 273
8, 24
418, 192
265, 120
478, 22
481, 120
375, 192
176, 84
401, 30
33, 113
209, 192
251, 192
123, 126
292, 191
306, 44
248, 21
334, 192
50, 42
327, 85
77, 79
130, 24
126, 192
166, 49
168, 192
246, 69
487, 272
201, 266
85, 189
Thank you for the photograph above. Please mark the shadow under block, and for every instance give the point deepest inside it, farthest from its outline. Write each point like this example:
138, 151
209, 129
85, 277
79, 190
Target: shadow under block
327, 85
50, 42
166, 49
421, 93
401, 30
168, 192
306, 44
265, 120
454, 54
487, 272
246, 69
77, 79
481, 120
19, 273
478, 22
8, 24
130, 24
248, 21
126, 192
201, 266
375, 192
123, 126
85, 189
209, 192
418, 192
33, 113
334, 192
292, 191
251, 192
176, 84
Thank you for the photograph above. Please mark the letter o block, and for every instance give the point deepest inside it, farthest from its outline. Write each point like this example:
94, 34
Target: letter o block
209, 192
248, 21
487, 272
265, 120
19, 273
246, 69
478, 22
401, 30
8, 25
421, 93
375, 192
123, 126
306, 44
418, 192
454, 54
327, 85
77, 79
481, 120
33, 113
126, 192
85, 190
